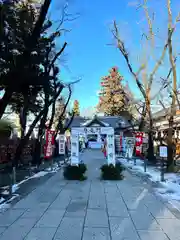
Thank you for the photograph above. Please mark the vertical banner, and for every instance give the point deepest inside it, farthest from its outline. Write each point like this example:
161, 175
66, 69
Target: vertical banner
49, 143
110, 149
61, 144
124, 146
139, 143
121, 141
74, 148
130, 143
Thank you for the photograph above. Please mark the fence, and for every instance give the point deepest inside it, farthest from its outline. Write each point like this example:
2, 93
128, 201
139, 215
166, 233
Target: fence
8, 149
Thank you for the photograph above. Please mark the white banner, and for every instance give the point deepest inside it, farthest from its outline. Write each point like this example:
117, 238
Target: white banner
74, 148
61, 144
111, 149
130, 143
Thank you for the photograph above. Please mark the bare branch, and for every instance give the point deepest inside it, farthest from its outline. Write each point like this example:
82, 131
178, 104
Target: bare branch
122, 49
56, 57
151, 34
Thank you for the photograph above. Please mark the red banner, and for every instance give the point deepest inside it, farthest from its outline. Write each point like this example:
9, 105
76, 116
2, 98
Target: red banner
49, 143
139, 142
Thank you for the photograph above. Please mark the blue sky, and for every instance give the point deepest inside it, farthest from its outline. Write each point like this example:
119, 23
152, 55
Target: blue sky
88, 55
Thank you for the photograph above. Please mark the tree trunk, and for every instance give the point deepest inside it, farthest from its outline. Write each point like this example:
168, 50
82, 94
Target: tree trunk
170, 161
52, 114
24, 140
41, 132
150, 155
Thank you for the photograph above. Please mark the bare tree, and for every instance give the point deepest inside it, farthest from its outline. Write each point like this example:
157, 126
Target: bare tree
144, 85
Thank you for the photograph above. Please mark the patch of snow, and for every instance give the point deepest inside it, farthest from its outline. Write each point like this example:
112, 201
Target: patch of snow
34, 53
2, 199
15, 52
6, 205
39, 174
15, 187
169, 190
5, 192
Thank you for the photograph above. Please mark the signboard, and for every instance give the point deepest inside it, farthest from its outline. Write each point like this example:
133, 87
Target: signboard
130, 142
163, 151
61, 144
74, 148
145, 139
49, 143
139, 143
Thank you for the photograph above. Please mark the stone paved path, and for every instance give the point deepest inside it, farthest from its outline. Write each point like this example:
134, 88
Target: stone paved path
90, 210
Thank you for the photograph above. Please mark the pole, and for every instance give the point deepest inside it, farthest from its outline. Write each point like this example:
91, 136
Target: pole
145, 165
162, 170
14, 175
10, 184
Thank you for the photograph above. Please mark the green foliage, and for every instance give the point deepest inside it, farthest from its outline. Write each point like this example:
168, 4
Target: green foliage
114, 97
25, 76
75, 172
111, 172
76, 108
6, 127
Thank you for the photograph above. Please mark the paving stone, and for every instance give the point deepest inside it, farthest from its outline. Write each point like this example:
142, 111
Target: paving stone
46, 198
19, 229
152, 235
51, 218
95, 202
96, 234
66, 206
96, 218
70, 228
144, 221
122, 228
61, 202
2, 229
39, 234
34, 213
10, 217
117, 210
171, 227
159, 210
136, 204
76, 209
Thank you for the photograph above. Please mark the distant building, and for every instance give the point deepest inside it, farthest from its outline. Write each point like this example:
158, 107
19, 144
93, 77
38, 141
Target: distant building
161, 123
119, 123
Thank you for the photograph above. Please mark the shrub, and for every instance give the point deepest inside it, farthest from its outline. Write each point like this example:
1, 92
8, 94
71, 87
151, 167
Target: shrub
111, 172
75, 172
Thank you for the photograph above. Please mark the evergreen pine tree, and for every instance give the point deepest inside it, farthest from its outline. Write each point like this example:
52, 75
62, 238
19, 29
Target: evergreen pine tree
76, 108
113, 97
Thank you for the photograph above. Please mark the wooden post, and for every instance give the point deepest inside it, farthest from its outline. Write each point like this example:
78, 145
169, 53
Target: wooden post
145, 164
10, 184
162, 170
30, 173
14, 175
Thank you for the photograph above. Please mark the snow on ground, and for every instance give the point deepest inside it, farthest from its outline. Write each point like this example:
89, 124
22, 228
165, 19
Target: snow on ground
6, 204
169, 189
